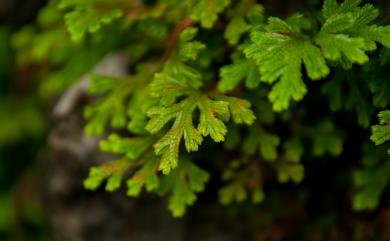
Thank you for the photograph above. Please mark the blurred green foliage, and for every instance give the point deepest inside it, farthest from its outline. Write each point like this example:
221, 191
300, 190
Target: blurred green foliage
22, 130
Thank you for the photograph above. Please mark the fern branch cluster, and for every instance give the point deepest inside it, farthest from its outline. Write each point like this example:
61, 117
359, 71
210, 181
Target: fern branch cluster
187, 93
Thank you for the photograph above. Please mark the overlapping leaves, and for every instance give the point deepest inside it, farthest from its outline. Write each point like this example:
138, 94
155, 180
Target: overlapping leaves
381, 132
183, 113
179, 80
283, 47
112, 107
373, 179
132, 151
88, 16
243, 183
183, 183
206, 11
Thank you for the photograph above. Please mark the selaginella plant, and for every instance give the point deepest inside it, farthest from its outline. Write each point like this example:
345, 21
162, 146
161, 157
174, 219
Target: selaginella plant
218, 85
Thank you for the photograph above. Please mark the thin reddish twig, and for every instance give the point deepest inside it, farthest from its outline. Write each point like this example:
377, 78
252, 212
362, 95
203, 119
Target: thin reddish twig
171, 40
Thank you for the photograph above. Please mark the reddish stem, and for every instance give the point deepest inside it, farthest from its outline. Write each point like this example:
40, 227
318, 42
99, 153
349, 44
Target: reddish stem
171, 40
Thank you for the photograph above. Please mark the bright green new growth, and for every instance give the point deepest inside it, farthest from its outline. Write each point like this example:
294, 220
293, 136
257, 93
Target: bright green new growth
282, 47
178, 80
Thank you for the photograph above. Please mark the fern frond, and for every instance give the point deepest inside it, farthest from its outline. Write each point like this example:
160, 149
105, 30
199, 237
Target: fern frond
174, 82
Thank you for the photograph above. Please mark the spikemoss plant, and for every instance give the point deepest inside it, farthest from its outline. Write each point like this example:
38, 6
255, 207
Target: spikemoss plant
224, 75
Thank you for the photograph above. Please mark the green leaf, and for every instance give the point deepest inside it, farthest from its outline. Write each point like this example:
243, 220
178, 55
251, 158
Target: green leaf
188, 34
288, 166
114, 182
334, 46
329, 8
354, 21
337, 23
365, 15
235, 28
240, 110
327, 139
244, 183
168, 146
381, 133
282, 47
209, 123
232, 74
372, 183
349, 5
293, 149
263, 141
183, 183
233, 192
146, 176
153, 27
175, 80
206, 11
168, 85
384, 117
280, 56
372, 180
357, 99
85, 19
334, 88
111, 107
380, 34
112, 170
189, 50
140, 102
298, 22
183, 127
290, 171
132, 148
